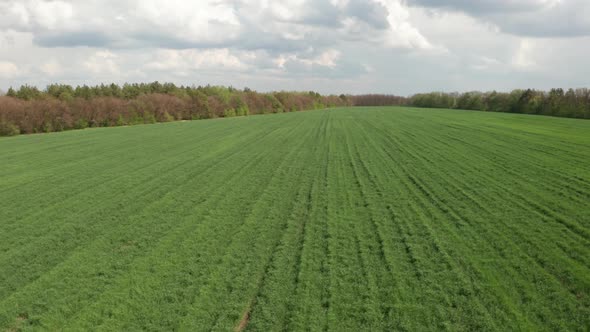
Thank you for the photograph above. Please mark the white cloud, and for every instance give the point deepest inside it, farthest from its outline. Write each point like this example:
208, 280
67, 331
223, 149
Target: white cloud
29, 15
8, 69
325, 45
51, 14
51, 68
327, 59
533, 18
13, 15
401, 32
487, 63
247, 24
191, 21
188, 60
524, 56
102, 63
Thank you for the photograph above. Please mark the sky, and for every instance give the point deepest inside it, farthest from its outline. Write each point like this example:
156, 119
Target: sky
331, 46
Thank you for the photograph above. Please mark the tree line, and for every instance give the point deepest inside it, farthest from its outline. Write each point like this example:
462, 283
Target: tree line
573, 103
62, 107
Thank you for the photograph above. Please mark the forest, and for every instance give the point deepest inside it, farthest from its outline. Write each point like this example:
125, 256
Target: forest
62, 107
573, 103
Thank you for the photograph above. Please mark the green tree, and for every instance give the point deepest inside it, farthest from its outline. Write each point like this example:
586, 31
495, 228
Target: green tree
28, 92
11, 92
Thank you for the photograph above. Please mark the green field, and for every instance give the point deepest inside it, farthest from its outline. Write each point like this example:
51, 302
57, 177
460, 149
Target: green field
341, 220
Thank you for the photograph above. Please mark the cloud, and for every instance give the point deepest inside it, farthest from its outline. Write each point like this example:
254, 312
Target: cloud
180, 24
188, 36
487, 63
184, 61
8, 69
325, 59
486, 6
27, 15
373, 14
391, 46
524, 56
102, 63
72, 39
51, 68
533, 18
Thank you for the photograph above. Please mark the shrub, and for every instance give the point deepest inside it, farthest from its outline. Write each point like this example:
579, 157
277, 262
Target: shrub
120, 121
81, 124
242, 111
8, 129
168, 117
228, 113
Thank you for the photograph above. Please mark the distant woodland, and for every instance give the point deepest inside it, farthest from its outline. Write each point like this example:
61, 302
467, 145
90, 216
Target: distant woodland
63, 107
572, 103
556, 102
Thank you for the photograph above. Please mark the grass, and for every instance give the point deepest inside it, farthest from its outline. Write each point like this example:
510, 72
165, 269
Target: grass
343, 219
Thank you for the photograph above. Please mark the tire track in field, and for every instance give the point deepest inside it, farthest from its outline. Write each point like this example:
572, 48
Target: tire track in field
83, 190
501, 157
347, 289
86, 142
451, 183
181, 190
210, 156
506, 149
437, 254
208, 309
20, 259
182, 236
499, 165
33, 152
313, 287
508, 156
489, 179
275, 299
454, 180
203, 236
378, 267
557, 216
274, 253
445, 210
220, 190
55, 179
405, 231
82, 187
243, 323
541, 262
519, 197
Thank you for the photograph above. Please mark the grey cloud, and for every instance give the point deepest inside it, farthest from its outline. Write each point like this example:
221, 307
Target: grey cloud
324, 13
318, 22
371, 39
480, 7
72, 39
533, 18
374, 14
344, 70
320, 13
